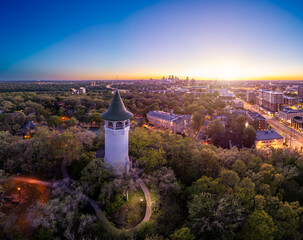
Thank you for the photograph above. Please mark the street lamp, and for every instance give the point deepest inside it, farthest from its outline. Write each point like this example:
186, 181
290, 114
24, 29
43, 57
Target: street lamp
19, 190
141, 200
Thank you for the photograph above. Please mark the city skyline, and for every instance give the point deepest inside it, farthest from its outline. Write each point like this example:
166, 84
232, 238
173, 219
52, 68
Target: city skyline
259, 40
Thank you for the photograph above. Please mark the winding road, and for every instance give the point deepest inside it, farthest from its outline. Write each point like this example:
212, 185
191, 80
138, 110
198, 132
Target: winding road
94, 205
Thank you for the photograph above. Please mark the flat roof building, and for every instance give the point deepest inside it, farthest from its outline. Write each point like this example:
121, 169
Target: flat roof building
236, 103
256, 120
268, 138
175, 122
287, 113
297, 122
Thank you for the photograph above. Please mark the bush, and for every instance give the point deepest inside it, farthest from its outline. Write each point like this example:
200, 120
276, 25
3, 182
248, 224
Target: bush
114, 204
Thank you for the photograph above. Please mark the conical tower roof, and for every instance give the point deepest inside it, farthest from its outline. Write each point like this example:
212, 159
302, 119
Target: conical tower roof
117, 111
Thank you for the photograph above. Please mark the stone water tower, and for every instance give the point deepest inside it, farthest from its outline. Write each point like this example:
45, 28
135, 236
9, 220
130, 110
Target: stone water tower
117, 123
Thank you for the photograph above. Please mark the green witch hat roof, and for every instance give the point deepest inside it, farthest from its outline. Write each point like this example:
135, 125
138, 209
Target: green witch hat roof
117, 110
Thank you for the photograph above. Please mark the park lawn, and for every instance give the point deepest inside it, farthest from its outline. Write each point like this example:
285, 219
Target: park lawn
132, 212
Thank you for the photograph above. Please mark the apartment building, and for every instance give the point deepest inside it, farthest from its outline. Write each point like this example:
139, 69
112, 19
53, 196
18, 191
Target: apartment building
256, 120
270, 100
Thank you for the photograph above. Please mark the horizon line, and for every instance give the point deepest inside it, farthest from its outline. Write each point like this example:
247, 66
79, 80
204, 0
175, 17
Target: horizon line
145, 79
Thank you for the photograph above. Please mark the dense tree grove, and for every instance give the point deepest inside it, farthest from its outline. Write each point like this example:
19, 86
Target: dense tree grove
198, 191
234, 194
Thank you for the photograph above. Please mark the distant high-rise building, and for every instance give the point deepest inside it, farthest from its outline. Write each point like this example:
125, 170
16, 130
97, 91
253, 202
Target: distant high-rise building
300, 91
93, 83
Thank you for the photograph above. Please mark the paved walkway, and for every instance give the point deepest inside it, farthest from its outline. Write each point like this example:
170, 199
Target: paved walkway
146, 192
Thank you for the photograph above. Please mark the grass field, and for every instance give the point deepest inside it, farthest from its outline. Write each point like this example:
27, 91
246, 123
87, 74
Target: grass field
132, 212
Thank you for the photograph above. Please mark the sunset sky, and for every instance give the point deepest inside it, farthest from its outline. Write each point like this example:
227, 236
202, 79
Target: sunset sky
205, 39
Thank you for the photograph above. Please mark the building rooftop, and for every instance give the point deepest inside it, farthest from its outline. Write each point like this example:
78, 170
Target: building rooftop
290, 110
166, 116
267, 135
290, 97
237, 101
269, 91
117, 111
163, 115
181, 118
256, 115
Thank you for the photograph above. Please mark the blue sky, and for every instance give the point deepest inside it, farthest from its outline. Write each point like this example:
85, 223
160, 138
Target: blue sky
206, 39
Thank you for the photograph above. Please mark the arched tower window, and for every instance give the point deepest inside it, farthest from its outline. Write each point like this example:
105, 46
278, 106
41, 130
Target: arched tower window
126, 123
110, 125
119, 125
